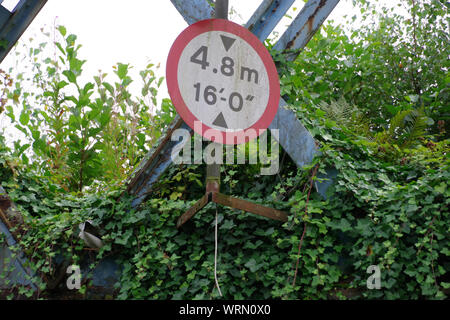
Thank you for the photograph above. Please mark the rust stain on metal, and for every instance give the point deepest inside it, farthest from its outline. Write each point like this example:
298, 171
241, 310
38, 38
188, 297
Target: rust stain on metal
309, 23
194, 209
249, 207
232, 202
5, 202
277, 4
212, 185
5, 219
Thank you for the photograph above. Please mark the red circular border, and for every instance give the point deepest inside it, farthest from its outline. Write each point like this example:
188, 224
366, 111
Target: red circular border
172, 79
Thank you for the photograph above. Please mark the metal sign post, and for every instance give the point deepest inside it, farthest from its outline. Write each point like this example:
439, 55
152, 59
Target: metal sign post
220, 75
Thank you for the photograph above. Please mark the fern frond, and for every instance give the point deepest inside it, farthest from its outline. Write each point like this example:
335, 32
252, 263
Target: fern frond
415, 128
405, 128
346, 115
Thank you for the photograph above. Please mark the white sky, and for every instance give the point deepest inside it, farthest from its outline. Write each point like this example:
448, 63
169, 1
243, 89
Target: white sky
134, 31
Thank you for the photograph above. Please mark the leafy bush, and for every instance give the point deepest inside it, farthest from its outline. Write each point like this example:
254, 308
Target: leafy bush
81, 133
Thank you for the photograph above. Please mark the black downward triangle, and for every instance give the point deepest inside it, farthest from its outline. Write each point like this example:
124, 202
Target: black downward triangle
220, 121
227, 42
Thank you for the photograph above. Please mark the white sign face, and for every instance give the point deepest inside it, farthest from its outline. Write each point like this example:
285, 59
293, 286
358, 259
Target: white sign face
223, 81
220, 75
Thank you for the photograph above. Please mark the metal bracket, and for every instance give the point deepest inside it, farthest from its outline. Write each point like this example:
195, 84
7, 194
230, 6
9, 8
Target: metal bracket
232, 202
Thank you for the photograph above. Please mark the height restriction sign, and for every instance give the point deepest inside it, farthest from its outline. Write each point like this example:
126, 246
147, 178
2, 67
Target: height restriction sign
222, 81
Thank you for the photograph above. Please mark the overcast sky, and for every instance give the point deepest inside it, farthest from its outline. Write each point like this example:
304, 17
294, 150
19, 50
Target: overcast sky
132, 31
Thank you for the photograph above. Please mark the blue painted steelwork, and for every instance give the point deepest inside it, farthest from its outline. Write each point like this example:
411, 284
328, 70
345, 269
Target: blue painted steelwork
154, 164
304, 26
194, 10
267, 16
16, 23
19, 274
293, 136
4, 16
13, 265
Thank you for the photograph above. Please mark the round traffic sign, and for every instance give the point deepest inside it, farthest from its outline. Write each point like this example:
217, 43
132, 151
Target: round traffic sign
222, 81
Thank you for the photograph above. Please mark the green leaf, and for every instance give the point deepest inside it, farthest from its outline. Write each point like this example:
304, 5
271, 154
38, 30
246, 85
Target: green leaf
24, 118
62, 30
441, 187
61, 84
122, 70
70, 76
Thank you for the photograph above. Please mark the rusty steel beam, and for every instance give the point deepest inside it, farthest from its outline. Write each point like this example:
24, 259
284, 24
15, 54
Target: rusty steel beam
231, 202
304, 26
248, 206
200, 204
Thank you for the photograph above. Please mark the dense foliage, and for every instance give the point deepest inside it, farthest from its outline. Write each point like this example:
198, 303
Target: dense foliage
374, 98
